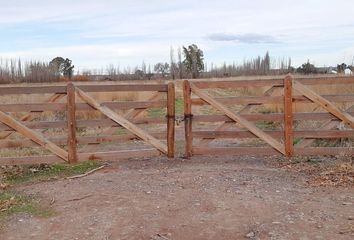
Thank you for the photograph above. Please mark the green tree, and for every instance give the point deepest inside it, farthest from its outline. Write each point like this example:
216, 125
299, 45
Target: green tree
62, 66
307, 68
193, 60
56, 64
67, 68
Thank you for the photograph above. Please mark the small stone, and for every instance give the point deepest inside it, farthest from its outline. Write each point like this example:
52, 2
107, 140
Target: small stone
350, 218
251, 235
342, 231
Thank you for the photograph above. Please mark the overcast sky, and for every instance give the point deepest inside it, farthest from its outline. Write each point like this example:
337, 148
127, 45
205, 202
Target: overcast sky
97, 33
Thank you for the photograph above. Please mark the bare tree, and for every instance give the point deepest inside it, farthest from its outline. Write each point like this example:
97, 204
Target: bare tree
162, 68
172, 64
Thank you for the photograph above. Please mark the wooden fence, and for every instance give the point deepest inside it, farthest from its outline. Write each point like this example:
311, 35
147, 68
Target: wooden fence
252, 129
55, 125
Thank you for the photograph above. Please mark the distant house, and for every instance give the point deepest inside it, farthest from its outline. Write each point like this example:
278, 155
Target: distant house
347, 71
326, 70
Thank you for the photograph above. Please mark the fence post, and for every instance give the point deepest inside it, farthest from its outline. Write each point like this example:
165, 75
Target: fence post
187, 119
171, 120
288, 116
71, 121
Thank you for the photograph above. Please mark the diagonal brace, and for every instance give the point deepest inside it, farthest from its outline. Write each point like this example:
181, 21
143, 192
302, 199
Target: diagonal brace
122, 121
237, 118
33, 135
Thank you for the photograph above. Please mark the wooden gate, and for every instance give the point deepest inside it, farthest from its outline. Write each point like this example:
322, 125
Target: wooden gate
75, 121
263, 117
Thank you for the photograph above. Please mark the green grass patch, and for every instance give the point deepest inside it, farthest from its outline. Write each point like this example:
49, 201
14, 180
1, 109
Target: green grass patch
296, 140
42, 172
179, 105
161, 112
14, 203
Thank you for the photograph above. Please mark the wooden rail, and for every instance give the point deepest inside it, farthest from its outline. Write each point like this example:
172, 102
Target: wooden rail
65, 137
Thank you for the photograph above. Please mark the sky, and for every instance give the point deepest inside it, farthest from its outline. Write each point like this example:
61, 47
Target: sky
94, 34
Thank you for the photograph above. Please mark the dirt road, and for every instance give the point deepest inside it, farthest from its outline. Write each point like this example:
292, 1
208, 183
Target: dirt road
202, 198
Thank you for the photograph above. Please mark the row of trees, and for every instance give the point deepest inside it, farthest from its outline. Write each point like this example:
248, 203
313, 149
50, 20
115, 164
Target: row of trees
35, 71
187, 63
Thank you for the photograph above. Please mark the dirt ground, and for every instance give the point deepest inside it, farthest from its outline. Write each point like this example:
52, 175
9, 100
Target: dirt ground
201, 198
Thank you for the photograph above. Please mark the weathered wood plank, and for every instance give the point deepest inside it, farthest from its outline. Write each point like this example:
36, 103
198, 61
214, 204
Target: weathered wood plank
122, 121
42, 107
275, 81
124, 88
89, 88
71, 121
288, 117
34, 136
115, 138
80, 139
171, 120
188, 119
276, 117
118, 155
97, 156
316, 134
330, 107
258, 100
251, 127
85, 123
236, 151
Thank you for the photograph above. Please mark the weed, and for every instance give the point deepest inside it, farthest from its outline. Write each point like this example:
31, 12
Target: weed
296, 140
13, 203
161, 112
179, 105
48, 172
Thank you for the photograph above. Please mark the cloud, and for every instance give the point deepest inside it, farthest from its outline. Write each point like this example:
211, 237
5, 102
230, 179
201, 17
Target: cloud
95, 33
250, 38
